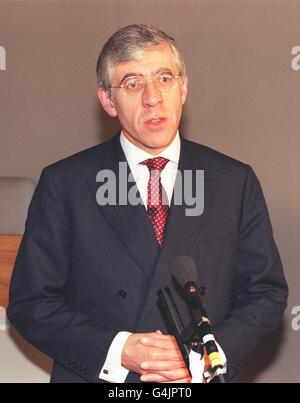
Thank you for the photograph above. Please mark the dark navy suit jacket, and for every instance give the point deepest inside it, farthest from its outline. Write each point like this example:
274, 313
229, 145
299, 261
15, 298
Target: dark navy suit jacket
85, 272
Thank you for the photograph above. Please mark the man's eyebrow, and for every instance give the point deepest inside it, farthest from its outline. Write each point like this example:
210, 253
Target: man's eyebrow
133, 74
130, 75
163, 70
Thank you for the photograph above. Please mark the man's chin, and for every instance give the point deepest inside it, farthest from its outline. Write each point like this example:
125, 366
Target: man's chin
156, 147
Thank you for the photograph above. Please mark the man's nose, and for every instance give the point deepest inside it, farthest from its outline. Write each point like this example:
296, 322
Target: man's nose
151, 95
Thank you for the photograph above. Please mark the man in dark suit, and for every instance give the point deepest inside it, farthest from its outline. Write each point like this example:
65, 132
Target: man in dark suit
97, 247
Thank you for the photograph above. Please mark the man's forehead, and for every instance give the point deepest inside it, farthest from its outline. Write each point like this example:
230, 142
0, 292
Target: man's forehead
147, 61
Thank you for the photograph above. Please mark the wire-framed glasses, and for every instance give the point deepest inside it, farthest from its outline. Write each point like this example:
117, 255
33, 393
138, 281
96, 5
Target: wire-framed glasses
134, 85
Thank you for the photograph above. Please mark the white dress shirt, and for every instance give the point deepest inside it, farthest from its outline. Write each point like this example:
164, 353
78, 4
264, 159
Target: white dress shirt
135, 156
112, 370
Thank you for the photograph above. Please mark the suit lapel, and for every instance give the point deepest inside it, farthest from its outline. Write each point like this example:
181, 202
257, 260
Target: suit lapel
131, 224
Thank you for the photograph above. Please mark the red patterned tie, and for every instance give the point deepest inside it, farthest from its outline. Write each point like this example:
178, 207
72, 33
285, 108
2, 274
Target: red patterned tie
157, 204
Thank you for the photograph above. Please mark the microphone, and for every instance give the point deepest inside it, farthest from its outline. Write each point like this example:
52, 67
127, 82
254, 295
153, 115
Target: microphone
185, 274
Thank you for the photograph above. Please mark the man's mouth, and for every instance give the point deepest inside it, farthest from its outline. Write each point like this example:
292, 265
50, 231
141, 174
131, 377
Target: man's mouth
155, 122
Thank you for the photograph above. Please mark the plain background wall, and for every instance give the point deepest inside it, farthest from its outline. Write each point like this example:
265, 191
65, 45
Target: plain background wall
243, 100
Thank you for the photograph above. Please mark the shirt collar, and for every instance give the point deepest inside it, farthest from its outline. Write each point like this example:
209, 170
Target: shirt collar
135, 155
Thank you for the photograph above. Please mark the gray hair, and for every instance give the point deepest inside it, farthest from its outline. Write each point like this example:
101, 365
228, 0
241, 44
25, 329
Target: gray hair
125, 45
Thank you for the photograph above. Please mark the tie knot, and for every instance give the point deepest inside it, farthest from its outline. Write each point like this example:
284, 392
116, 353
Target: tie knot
155, 164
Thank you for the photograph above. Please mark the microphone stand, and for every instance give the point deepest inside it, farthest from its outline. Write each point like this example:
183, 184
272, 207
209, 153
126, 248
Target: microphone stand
201, 331
197, 337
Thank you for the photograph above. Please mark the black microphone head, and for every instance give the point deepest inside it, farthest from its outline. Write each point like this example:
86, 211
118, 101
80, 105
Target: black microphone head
184, 270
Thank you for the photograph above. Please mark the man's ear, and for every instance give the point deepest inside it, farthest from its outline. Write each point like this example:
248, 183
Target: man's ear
184, 88
106, 102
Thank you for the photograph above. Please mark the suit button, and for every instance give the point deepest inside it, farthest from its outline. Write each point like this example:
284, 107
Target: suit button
122, 293
202, 290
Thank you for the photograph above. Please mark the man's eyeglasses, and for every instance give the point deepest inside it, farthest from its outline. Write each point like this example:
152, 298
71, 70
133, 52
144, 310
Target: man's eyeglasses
135, 85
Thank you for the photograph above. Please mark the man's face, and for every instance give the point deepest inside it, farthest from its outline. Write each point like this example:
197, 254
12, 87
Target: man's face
149, 120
